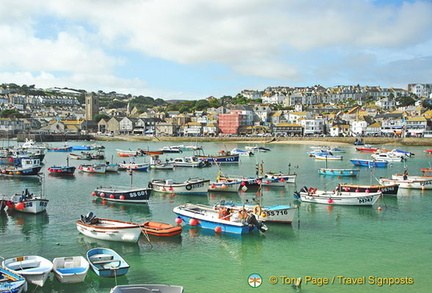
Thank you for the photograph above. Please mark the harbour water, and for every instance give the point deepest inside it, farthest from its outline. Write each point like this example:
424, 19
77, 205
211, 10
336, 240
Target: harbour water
332, 248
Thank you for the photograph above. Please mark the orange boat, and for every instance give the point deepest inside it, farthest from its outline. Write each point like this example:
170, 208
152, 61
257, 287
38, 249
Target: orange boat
160, 229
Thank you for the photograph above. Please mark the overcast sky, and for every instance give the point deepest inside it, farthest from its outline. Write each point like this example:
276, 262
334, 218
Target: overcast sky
193, 49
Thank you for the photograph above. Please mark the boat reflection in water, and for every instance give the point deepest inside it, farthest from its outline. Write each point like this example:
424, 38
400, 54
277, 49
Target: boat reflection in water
31, 224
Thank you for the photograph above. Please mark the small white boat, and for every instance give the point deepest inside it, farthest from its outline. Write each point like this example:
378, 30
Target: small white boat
71, 269
147, 288
94, 168
241, 153
388, 157
335, 197
35, 269
191, 162
128, 153
328, 157
112, 167
192, 185
409, 183
27, 202
157, 164
287, 178
225, 186
134, 166
107, 263
106, 229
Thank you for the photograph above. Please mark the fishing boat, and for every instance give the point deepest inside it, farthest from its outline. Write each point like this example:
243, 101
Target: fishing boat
328, 157
134, 166
35, 269
191, 186
170, 149
257, 149
143, 288
224, 186
30, 144
367, 148
107, 263
287, 178
160, 229
385, 189
60, 149
112, 167
88, 156
156, 163
222, 158
370, 163
93, 168
26, 167
27, 202
70, 269
339, 172
237, 222
336, 197
61, 170
408, 183
276, 214
129, 153
123, 194
11, 282
390, 157
189, 162
106, 229
240, 152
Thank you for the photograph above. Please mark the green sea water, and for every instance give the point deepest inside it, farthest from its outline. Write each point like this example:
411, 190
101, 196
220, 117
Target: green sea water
332, 248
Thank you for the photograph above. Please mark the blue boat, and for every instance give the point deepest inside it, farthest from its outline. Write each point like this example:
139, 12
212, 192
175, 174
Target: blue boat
370, 163
11, 282
107, 263
235, 221
81, 148
221, 159
339, 172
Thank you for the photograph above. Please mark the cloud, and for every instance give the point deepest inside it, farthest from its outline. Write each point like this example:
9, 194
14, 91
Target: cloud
291, 41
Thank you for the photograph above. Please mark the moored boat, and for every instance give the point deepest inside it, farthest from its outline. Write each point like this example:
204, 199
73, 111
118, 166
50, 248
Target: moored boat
370, 163
328, 157
93, 168
191, 162
27, 202
106, 229
409, 183
11, 282
123, 194
336, 197
237, 222
192, 185
240, 152
339, 172
222, 158
61, 170
35, 269
385, 189
143, 288
160, 229
70, 269
26, 167
134, 166
107, 263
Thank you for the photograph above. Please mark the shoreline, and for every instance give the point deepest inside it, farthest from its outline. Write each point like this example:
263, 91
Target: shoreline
278, 140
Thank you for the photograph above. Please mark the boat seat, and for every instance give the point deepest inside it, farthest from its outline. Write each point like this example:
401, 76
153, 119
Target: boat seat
25, 264
101, 257
100, 262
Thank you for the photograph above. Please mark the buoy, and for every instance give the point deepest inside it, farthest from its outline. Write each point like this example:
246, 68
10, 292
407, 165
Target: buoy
11, 173
4, 171
18, 173
178, 220
94, 193
10, 160
380, 208
282, 179
243, 183
367, 190
163, 189
20, 206
213, 186
112, 196
259, 181
171, 189
102, 194
104, 202
218, 229
347, 189
267, 182
122, 197
330, 200
193, 222
357, 190
223, 186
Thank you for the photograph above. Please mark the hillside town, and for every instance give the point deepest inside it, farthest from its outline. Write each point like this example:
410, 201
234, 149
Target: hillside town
340, 111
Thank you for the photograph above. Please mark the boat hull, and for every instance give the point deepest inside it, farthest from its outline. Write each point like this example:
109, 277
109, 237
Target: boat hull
35, 269
369, 163
167, 186
341, 198
123, 194
385, 189
209, 219
229, 159
161, 229
107, 263
12, 282
224, 186
110, 230
62, 170
70, 269
408, 184
339, 172
269, 214
147, 288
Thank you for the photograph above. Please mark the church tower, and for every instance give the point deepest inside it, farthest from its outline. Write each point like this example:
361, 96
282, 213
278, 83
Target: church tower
91, 106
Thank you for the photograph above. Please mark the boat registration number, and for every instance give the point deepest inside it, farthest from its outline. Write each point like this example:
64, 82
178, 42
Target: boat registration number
277, 213
426, 183
137, 194
365, 199
197, 185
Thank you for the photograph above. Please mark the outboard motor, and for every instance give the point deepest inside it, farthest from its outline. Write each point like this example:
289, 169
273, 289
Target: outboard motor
253, 222
304, 189
88, 219
296, 195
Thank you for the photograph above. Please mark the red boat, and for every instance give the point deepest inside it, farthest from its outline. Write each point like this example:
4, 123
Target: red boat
428, 151
367, 149
61, 170
160, 229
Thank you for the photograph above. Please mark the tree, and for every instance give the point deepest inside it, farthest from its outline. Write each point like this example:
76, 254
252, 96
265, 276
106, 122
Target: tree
405, 101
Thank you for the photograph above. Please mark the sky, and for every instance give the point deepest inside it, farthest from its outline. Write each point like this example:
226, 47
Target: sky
194, 49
